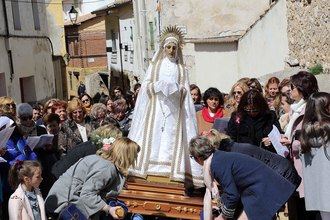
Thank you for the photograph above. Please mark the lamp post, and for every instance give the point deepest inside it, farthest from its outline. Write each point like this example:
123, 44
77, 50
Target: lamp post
73, 14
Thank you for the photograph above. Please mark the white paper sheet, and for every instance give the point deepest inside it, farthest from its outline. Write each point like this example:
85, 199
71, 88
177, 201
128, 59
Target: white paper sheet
275, 137
39, 141
5, 122
2, 160
5, 135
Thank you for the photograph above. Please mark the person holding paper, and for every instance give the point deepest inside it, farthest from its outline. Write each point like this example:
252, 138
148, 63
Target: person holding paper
253, 121
303, 85
17, 147
50, 153
25, 124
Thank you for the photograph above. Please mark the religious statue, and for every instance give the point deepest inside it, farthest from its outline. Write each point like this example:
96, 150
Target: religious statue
164, 118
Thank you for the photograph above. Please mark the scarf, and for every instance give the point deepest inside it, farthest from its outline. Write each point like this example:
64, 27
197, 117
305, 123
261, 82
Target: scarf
207, 117
296, 110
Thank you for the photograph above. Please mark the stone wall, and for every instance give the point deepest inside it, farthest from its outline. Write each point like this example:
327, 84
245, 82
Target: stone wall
308, 32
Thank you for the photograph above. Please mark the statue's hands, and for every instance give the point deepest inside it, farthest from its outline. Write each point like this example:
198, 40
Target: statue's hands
167, 88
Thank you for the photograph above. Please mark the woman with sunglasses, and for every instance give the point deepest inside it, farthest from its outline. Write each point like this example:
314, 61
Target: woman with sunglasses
303, 85
25, 124
7, 107
253, 121
17, 148
213, 102
87, 103
235, 95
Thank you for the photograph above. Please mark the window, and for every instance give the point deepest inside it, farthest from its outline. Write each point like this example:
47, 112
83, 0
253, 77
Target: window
131, 57
70, 79
131, 36
27, 86
3, 86
16, 17
113, 41
76, 48
35, 15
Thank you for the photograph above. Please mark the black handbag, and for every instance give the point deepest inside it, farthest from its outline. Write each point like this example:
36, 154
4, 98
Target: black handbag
71, 212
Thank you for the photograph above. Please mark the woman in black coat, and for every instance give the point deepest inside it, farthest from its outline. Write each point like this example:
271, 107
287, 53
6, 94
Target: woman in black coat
253, 121
279, 164
241, 178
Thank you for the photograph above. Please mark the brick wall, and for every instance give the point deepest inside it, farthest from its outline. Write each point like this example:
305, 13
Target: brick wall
87, 49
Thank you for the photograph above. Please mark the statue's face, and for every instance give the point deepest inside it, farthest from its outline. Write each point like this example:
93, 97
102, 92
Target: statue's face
170, 50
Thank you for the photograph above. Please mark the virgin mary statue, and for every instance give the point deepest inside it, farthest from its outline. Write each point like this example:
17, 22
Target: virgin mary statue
164, 118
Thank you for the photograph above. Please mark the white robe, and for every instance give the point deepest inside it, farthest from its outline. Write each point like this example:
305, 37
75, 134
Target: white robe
164, 121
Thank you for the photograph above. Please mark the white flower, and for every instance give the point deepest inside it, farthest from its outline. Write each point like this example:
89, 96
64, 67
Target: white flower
108, 140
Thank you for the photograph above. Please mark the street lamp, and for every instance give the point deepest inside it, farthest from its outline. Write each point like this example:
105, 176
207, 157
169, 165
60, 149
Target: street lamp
73, 14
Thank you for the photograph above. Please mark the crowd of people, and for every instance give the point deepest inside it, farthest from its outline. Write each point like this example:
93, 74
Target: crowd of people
252, 151
85, 128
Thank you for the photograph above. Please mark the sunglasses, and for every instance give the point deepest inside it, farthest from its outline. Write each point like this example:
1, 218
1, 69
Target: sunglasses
86, 100
292, 86
253, 110
237, 92
25, 118
12, 105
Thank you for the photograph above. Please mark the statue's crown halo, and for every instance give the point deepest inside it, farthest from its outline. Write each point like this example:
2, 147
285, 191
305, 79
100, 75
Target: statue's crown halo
171, 31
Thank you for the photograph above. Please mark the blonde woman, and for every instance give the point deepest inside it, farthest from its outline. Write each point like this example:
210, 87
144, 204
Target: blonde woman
235, 96
77, 128
272, 94
91, 181
7, 106
98, 136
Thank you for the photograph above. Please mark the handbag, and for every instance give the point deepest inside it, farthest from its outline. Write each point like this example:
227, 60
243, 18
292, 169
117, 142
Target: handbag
71, 212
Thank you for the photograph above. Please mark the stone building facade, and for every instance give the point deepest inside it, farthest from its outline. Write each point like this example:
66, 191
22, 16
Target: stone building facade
308, 32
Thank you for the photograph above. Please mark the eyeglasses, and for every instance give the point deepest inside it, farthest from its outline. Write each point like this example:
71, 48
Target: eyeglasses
237, 92
86, 100
77, 111
25, 118
251, 110
12, 105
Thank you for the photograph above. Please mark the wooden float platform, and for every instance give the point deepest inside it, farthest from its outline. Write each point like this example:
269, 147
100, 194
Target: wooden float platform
160, 199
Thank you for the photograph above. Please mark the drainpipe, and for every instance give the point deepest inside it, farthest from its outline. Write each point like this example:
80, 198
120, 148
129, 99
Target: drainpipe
138, 58
159, 32
9, 54
120, 56
144, 31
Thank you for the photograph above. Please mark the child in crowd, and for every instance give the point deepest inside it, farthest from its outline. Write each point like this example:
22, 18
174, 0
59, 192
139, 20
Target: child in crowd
26, 202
